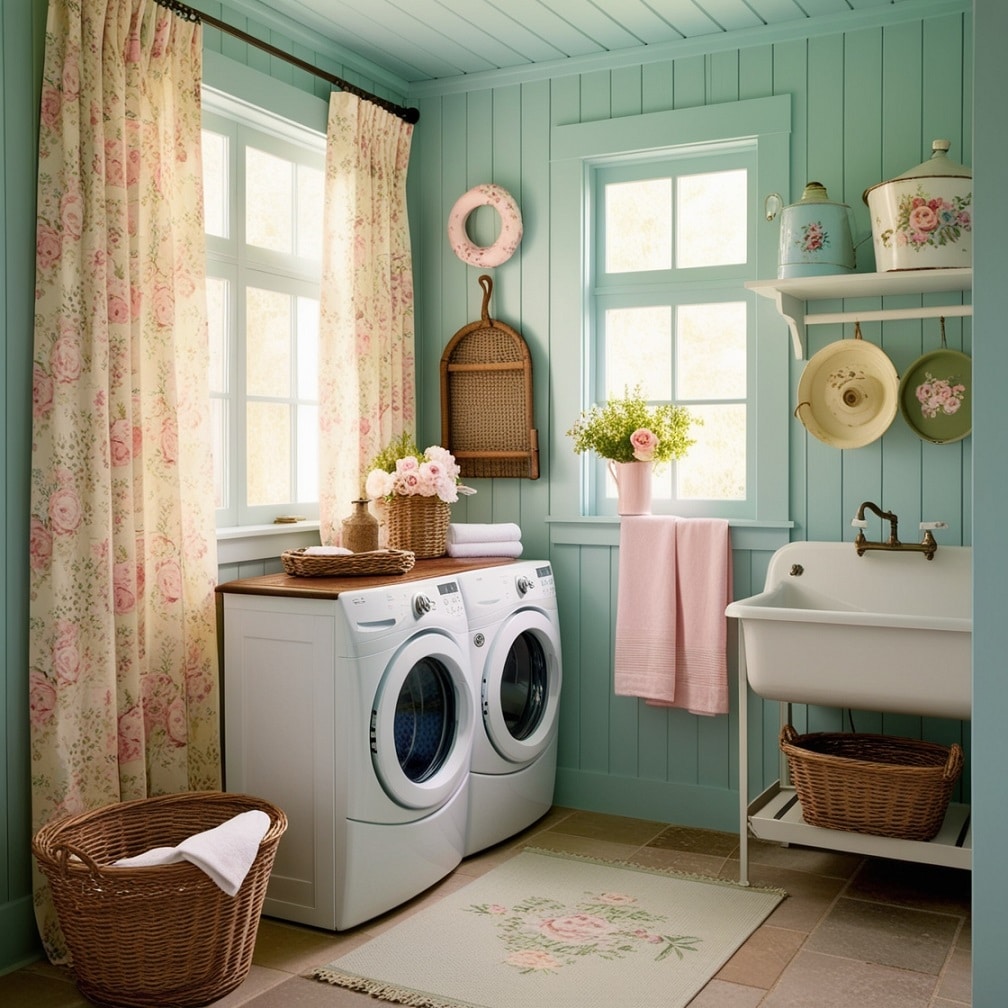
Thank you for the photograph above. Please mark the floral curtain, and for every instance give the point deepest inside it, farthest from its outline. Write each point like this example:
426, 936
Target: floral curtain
366, 356
122, 639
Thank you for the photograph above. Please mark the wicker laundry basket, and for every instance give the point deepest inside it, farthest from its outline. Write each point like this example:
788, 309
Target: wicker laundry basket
164, 936
879, 784
418, 525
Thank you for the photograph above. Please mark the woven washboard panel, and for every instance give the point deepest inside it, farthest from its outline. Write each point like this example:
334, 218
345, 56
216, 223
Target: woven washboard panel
486, 399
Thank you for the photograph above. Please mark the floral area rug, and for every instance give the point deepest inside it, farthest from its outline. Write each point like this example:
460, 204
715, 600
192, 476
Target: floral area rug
548, 930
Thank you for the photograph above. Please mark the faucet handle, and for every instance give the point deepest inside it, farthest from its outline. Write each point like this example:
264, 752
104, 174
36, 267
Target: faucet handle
859, 523
933, 525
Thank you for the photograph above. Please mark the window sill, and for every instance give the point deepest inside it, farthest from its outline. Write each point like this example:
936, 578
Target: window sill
603, 530
260, 542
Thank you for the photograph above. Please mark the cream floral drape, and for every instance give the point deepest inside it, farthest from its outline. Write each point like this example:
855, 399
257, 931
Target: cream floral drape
123, 660
366, 357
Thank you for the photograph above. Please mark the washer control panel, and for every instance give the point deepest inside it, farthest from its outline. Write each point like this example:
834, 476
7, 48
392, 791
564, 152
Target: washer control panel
541, 585
448, 601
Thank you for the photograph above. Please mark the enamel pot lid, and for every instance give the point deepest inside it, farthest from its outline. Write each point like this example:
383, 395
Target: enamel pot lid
936, 395
848, 393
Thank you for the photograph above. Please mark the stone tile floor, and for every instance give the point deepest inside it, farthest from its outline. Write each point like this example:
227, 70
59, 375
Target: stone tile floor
854, 932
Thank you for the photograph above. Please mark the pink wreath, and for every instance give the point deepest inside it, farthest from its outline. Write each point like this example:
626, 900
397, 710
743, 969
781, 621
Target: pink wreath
510, 233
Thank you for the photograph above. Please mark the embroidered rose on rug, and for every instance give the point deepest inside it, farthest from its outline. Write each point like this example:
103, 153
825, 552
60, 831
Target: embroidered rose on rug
541, 935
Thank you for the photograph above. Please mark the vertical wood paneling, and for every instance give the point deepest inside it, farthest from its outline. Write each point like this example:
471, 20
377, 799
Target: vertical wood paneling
595, 609
859, 109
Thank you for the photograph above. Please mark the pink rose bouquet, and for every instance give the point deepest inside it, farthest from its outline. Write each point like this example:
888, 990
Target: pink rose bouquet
401, 470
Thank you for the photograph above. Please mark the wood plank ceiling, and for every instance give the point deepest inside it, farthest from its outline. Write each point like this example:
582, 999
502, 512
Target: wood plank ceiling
422, 40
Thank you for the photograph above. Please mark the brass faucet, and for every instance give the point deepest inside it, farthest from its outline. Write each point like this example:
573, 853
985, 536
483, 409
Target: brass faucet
928, 546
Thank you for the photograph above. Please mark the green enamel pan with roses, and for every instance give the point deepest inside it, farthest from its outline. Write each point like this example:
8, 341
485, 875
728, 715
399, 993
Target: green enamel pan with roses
936, 396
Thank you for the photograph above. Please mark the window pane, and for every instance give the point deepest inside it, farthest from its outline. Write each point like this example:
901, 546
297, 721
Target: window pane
221, 453
711, 217
268, 453
715, 467
309, 212
268, 343
307, 348
711, 343
269, 201
215, 183
638, 226
638, 349
308, 454
217, 317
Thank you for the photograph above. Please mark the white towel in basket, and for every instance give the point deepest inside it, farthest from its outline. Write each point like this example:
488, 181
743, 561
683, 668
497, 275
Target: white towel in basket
225, 852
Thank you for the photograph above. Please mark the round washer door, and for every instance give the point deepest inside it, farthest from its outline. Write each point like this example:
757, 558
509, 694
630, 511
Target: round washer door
521, 686
422, 723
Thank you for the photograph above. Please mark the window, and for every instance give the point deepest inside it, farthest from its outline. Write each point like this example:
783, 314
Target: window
672, 248
263, 180
655, 229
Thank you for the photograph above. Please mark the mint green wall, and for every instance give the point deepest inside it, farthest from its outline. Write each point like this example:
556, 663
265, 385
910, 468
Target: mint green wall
22, 27
990, 491
866, 103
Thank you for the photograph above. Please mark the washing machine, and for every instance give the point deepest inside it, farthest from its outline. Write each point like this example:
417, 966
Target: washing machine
354, 713
514, 653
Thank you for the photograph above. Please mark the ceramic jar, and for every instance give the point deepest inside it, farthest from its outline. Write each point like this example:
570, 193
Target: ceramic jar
360, 529
922, 219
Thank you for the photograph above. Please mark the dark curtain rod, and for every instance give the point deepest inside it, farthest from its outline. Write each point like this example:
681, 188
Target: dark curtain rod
410, 115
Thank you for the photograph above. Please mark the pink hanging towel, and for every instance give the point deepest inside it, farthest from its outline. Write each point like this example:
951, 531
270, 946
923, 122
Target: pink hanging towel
671, 631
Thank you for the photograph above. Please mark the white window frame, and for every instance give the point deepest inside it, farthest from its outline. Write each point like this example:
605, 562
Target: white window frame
673, 287
575, 150
294, 132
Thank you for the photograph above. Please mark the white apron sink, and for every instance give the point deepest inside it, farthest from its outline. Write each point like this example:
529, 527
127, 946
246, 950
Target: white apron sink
887, 631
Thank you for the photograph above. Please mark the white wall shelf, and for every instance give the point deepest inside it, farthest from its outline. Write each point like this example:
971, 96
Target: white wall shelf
791, 297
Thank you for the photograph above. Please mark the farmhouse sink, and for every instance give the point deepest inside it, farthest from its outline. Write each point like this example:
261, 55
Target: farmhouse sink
887, 631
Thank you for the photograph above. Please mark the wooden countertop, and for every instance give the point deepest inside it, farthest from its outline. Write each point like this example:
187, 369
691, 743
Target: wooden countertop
330, 587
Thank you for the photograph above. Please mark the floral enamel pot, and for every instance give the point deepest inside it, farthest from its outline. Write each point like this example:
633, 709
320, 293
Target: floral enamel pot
815, 234
923, 219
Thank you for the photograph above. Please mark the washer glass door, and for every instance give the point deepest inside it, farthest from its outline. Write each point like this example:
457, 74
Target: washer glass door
521, 686
425, 720
422, 723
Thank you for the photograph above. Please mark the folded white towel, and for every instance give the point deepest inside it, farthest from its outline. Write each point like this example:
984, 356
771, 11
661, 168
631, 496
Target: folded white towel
327, 551
225, 852
485, 549
474, 532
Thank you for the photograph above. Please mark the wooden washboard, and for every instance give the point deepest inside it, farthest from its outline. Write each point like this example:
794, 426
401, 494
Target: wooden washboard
486, 399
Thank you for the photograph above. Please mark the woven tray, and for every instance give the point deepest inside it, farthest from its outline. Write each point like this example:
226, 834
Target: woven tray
879, 784
163, 936
391, 561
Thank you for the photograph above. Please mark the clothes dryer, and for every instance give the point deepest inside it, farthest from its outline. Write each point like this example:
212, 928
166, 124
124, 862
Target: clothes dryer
356, 715
515, 657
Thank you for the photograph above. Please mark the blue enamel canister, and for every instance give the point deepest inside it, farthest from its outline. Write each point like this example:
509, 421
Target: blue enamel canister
815, 234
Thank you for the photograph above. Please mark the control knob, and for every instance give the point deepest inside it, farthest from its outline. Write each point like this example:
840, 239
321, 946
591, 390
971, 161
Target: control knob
525, 585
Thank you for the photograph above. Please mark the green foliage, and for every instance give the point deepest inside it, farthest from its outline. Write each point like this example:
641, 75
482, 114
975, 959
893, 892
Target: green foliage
402, 447
606, 429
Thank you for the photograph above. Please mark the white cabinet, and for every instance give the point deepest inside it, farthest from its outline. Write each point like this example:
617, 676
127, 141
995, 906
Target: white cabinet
793, 295
279, 743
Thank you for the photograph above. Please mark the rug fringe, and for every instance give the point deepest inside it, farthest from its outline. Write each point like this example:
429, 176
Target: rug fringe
383, 991
657, 870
